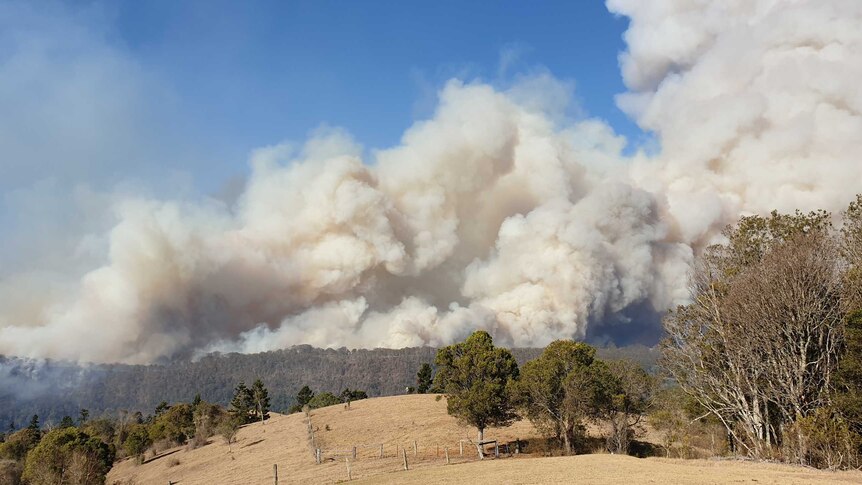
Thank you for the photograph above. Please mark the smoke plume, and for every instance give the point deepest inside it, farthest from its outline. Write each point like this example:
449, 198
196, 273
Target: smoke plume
497, 213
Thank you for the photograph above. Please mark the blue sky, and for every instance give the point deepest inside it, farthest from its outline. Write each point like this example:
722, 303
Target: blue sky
248, 74
160, 89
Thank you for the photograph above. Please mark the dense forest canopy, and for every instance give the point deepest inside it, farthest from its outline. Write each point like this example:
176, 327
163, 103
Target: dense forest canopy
54, 389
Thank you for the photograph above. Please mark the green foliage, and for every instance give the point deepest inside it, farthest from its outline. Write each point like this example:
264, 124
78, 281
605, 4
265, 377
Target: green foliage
161, 408
83, 416
616, 392
541, 391
304, 396
823, 440
137, 440
18, 444
848, 395
104, 429
242, 403
323, 399
227, 428
175, 425
67, 422
477, 377
851, 249
348, 395
424, 378
751, 238
34, 423
68, 456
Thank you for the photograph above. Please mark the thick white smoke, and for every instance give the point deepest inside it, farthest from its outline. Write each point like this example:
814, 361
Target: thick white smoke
497, 213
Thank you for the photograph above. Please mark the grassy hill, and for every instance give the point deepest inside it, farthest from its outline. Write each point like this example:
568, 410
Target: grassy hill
395, 422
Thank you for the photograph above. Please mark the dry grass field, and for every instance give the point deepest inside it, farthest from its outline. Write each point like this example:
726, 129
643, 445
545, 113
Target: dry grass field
395, 422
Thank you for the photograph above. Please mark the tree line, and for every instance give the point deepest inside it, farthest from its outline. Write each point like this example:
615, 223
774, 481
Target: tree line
82, 452
54, 389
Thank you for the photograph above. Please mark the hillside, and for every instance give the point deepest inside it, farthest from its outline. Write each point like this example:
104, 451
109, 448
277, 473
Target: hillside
54, 389
397, 422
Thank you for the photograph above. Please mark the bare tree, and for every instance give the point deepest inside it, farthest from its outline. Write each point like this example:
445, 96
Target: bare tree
759, 343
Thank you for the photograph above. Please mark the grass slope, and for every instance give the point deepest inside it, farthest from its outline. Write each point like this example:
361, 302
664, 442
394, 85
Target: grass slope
395, 422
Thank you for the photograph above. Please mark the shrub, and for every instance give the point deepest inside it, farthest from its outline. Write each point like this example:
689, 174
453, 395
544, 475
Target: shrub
68, 455
822, 440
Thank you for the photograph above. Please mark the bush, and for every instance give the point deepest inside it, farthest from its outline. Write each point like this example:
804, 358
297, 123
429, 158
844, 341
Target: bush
68, 455
137, 441
822, 440
323, 399
17, 445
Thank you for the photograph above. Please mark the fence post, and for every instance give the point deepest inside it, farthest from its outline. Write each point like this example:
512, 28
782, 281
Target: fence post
404, 451
349, 474
447, 454
461, 446
275, 473
318, 456
496, 450
437, 453
381, 450
354, 452
415, 449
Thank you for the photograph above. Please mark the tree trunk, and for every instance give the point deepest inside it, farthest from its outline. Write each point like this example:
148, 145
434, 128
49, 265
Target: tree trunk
479, 443
567, 437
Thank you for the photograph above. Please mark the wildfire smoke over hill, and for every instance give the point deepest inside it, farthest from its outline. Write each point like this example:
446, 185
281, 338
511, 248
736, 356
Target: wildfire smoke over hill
498, 213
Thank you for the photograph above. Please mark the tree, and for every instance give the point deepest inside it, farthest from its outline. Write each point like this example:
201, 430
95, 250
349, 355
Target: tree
137, 441
34, 423
348, 395
851, 251
848, 390
424, 378
83, 416
304, 396
759, 344
477, 378
67, 422
175, 425
161, 408
260, 400
628, 391
541, 389
242, 403
18, 444
68, 455
227, 429
323, 399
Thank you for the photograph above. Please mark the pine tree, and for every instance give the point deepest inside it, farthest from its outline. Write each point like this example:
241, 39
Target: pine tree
423, 379
67, 422
83, 416
304, 396
34, 423
260, 400
242, 403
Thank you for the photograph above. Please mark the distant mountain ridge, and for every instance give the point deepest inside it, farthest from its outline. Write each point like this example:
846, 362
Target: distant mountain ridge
53, 389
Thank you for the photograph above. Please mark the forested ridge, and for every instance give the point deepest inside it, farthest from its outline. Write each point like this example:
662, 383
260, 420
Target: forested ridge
55, 389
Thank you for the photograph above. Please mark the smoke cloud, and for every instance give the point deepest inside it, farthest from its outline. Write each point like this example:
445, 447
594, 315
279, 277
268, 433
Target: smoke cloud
497, 213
